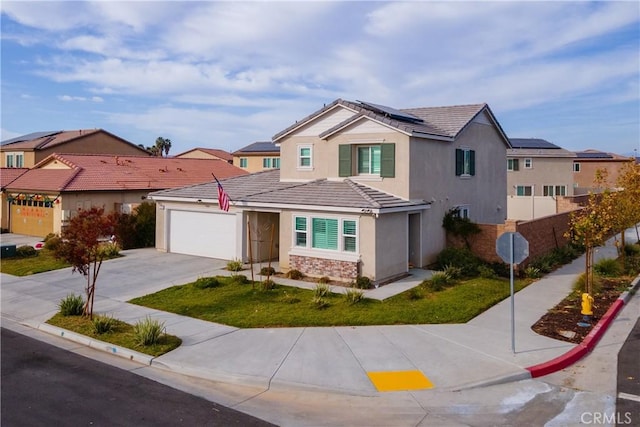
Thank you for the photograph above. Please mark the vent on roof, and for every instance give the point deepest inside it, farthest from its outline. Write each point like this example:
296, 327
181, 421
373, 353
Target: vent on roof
392, 113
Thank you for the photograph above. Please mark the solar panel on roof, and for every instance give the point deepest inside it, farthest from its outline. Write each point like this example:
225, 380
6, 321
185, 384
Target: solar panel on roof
30, 136
391, 112
531, 143
592, 155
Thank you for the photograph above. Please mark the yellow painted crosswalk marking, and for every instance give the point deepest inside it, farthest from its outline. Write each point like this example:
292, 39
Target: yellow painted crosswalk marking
399, 380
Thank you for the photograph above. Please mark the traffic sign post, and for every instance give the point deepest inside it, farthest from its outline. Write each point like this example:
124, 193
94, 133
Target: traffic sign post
513, 248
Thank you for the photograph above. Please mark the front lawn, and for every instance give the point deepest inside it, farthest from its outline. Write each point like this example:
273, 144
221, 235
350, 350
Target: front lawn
45, 260
121, 335
247, 306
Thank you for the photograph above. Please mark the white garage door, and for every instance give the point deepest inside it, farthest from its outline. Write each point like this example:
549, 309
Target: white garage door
204, 234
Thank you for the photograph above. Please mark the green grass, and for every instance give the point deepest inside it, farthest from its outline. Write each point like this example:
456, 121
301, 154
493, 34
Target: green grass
44, 261
244, 307
122, 334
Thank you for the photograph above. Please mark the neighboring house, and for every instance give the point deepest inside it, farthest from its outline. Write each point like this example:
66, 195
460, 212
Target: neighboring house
258, 156
362, 190
7, 175
28, 150
588, 162
538, 172
206, 153
41, 200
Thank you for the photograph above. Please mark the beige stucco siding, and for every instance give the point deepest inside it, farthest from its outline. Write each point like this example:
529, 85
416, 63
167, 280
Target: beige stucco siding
254, 163
433, 175
392, 246
543, 171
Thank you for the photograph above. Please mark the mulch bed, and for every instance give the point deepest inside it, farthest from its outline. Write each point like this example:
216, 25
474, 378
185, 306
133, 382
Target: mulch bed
561, 322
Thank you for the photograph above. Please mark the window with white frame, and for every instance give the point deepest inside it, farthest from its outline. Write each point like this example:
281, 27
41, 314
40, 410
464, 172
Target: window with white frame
14, 160
369, 160
10, 160
528, 163
301, 231
334, 234
513, 165
243, 162
524, 190
554, 190
465, 162
305, 159
461, 211
576, 167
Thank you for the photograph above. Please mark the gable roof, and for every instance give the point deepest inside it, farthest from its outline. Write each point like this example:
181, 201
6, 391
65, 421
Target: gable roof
224, 155
45, 140
428, 122
265, 188
93, 172
260, 147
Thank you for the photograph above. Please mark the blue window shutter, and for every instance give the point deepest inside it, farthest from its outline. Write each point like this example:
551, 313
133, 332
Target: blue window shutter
344, 160
388, 160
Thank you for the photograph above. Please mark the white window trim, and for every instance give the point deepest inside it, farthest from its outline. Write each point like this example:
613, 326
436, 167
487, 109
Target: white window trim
367, 174
462, 209
8, 156
298, 157
530, 186
528, 160
245, 161
510, 163
576, 167
309, 250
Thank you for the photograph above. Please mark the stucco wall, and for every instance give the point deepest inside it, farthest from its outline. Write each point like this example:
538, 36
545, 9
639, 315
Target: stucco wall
544, 171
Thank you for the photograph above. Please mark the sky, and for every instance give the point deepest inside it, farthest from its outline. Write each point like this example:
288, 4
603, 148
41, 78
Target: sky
229, 73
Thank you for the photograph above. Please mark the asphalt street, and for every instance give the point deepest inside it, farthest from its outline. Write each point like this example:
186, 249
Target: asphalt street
43, 385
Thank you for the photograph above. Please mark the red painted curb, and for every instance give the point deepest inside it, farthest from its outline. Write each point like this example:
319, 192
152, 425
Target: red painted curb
578, 352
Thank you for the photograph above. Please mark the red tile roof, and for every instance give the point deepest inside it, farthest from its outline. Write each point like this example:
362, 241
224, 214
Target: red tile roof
57, 138
93, 172
9, 174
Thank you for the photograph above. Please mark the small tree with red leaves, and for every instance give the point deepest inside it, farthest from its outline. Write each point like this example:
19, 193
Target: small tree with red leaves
84, 245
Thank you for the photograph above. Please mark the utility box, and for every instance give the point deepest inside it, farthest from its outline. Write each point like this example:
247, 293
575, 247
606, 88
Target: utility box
7, 250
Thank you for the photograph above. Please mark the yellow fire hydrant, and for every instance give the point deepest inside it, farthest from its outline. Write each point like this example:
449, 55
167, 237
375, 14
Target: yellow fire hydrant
587, 306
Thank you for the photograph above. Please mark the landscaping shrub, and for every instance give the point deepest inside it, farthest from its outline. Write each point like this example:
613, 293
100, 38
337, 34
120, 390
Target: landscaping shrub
414, 294
532, 272
322, 290
289, 299
267, 271
452, 271
239, 279
438, 281
320, 302
71, 305
608, 267
26, 251
103, 324
462, 258
52, 242
501, 269
324, 280
295, 274
362, 282
206, 282
235, 265
353, 296
148, 331
267, 285
579, 286
110, 249
631, 249
486, 272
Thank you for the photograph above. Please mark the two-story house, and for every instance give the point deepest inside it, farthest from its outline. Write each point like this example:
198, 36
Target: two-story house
362, 190
28, 150
586, 163
206, 153
537, 173
259, 156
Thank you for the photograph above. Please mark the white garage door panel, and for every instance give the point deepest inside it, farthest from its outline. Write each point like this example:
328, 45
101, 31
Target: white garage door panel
203, 234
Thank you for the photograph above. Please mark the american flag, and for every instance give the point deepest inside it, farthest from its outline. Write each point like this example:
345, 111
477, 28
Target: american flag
223, 197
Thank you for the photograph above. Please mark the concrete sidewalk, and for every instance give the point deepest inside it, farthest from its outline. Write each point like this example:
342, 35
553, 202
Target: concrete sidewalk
332, 359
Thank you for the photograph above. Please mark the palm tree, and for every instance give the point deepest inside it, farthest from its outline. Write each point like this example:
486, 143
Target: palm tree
163, 145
